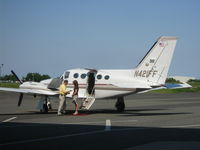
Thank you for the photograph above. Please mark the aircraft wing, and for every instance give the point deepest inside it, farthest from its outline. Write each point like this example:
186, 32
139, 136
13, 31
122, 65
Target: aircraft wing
30, 91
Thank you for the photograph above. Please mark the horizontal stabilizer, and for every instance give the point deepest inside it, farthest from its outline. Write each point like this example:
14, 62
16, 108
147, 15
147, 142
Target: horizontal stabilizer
169, 86
177, 86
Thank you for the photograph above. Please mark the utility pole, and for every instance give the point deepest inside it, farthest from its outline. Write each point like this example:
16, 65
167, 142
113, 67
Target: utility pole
1, 70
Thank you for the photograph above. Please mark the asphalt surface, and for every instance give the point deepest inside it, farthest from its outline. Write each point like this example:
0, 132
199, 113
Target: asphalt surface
151, 121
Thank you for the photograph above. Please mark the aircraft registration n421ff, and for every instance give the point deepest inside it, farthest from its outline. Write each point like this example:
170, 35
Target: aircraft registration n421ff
149, 74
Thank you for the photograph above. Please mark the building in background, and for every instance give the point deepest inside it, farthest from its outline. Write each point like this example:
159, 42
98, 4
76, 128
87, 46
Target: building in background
182, 78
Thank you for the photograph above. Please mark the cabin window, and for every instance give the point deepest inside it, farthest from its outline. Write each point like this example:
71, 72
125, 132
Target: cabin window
107, 77
99, 76
76, 75
83, 76
67, 75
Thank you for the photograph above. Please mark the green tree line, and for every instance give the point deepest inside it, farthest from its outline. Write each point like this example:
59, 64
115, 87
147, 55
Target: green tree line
29, 77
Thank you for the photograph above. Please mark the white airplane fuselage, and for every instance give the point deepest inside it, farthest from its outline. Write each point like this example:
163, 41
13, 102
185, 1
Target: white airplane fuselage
105, 81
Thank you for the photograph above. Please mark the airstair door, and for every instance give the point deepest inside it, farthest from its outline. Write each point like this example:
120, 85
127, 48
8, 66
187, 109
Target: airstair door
90, 91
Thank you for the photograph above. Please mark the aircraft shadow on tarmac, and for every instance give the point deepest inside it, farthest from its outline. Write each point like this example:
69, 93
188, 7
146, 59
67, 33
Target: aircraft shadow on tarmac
128, 112
134, 112
74, 136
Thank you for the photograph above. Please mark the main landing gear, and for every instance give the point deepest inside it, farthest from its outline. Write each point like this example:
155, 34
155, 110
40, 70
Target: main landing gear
120, 105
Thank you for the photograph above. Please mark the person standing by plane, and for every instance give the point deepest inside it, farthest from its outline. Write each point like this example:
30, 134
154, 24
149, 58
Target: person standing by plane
63, 92
75, 96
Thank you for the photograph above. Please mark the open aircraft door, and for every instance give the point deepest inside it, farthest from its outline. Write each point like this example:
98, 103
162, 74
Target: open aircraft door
90, 90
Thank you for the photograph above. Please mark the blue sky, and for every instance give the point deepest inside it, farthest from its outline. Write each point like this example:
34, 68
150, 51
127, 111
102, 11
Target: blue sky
50, 36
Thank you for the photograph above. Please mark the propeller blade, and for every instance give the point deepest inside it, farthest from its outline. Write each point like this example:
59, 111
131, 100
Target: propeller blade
20, 99
16, 76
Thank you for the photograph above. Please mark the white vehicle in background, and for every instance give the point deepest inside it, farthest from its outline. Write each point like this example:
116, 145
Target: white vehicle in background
149, 74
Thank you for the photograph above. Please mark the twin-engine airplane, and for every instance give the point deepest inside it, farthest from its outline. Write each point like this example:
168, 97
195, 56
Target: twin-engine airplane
149, 74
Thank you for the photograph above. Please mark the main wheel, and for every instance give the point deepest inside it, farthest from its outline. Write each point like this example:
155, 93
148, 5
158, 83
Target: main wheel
120, 105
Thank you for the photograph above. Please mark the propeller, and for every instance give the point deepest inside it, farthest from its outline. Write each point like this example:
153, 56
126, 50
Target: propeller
20, 99
16, 77
21, 94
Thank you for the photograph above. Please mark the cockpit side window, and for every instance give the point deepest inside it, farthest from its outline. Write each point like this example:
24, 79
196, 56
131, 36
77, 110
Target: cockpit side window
61, 77
67, 75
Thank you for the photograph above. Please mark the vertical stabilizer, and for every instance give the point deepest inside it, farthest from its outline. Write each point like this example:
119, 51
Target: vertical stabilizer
154, 67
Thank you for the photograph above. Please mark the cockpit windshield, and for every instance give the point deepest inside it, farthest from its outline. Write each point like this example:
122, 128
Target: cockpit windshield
66, 75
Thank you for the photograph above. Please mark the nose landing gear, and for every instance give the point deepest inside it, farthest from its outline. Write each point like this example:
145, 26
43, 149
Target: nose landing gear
44, 104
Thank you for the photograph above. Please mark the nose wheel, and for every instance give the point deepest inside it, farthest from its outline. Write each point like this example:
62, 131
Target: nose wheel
120, 105
45, 108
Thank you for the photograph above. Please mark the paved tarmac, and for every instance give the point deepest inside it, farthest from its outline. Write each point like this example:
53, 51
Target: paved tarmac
151, 121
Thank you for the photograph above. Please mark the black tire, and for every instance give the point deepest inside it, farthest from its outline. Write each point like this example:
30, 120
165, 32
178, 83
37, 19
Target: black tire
44, 110
120, 105
49, 106
120, 108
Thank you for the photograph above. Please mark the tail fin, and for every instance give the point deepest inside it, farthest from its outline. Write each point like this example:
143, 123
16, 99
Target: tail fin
153, 68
